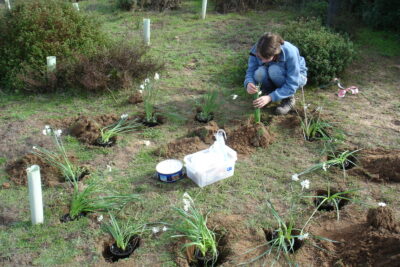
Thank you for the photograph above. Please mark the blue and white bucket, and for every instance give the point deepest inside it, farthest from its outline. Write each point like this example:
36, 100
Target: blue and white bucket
170, 170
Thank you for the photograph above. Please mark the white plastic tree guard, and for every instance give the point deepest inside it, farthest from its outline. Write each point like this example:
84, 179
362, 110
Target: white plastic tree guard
204, 9
8, 4
51, 63
35, 194
76, 6
146, 31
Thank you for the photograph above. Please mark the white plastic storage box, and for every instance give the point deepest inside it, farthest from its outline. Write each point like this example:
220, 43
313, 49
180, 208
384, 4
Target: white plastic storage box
206, 167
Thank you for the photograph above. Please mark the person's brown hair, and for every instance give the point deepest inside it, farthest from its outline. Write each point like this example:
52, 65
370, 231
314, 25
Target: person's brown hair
269, 45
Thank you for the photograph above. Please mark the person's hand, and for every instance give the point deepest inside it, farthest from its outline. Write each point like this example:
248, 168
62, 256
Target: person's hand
262, 101
251, 88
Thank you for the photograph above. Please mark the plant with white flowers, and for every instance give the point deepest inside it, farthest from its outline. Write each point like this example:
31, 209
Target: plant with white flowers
193, 227
284, 239
59, 159
123, 125
341, 160
150, 94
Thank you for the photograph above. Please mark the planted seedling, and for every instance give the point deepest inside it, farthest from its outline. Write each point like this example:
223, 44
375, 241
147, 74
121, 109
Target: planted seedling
193, 227
284, 240
330, 200
342, 160
257, 111
126, 237
311, 124
59, 159
92, 199
109, 133
207, 106
150, 95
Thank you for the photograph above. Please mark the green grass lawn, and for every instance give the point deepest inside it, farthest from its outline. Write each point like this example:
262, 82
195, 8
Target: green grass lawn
198, 55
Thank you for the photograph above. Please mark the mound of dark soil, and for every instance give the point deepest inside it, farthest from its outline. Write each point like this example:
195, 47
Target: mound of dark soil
136, 98
249, 136
379, 165
87, 130
205, 133
371, 243
181, 147
49, 174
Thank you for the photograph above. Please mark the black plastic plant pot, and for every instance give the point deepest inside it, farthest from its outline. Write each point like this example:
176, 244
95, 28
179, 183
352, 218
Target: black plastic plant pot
111, 142
67, 217
207, 260
116, 253
203, 119
271, 235
150, 123
328, 205
84, 173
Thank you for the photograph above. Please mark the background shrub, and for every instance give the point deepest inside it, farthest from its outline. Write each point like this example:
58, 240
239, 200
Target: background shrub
126, 4
35, 29
327, 53
159, 5
110, 68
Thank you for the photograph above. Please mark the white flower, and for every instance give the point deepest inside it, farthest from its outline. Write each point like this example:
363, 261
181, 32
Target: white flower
146, 81
100, 218
324, 166
259, 92
306, 106
109, 168
302, 237
141, 91
34, 147
58, 132
382, 204
305, 184
156, 76
142, 86
234, 97
186, 195
155, 230
295, 177
165, 228
186, 207
146, 142
46, 130
124, 116
318, 109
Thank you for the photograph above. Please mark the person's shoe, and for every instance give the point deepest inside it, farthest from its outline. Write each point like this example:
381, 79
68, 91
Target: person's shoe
285, 106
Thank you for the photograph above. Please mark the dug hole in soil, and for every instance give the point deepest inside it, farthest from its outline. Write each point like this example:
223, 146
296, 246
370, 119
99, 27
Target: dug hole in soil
371, 241
379, 165
271, 235
329, 206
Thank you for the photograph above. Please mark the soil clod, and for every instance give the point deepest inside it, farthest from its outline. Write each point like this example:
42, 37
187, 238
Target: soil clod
206, 132
249, 136
181, 147
50, 175
382, 218
136, 98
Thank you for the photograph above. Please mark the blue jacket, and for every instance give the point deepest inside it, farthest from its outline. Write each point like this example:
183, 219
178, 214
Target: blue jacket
289, 60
